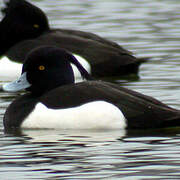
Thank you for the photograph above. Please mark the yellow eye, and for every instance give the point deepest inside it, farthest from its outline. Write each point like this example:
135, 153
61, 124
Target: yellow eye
41, 68
36, 26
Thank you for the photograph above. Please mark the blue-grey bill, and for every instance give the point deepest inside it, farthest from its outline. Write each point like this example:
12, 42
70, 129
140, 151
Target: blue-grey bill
18, 85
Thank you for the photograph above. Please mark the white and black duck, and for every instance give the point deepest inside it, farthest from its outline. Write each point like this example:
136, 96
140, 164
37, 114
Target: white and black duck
54, 101
25, 27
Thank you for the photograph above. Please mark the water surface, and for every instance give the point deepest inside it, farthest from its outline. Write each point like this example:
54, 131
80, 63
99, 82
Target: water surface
148, 29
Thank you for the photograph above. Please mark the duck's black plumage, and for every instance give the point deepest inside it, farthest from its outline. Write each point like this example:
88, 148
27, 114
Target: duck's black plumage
25, 27
141, 111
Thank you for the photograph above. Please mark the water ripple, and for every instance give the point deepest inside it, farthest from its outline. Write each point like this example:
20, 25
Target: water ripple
148, 29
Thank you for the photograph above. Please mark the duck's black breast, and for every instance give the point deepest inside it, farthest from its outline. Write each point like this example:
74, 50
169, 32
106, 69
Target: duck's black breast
18, 110
140, 111
105, 57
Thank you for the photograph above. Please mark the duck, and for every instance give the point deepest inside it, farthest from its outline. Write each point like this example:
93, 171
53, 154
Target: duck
25, 27
52, 99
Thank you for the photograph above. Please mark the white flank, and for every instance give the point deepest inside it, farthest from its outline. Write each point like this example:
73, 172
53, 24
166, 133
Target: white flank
9, 70
94, 115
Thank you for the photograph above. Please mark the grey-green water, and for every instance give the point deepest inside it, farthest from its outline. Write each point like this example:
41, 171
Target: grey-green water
147, 28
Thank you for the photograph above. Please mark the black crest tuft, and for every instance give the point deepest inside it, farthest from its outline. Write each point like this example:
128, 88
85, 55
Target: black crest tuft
81, 69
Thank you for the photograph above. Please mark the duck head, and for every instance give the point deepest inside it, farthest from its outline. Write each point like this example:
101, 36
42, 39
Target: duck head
21, 21
46, 68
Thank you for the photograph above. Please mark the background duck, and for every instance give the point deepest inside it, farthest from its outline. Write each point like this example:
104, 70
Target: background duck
55, 101
25, 27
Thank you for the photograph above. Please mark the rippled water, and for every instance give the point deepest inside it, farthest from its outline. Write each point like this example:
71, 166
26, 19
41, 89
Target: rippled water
147, 28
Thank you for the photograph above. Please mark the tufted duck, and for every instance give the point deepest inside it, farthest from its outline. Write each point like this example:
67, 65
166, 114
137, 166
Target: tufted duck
25, 27
55, 101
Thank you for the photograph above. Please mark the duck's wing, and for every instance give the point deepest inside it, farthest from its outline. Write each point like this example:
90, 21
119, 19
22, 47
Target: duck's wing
141, 111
